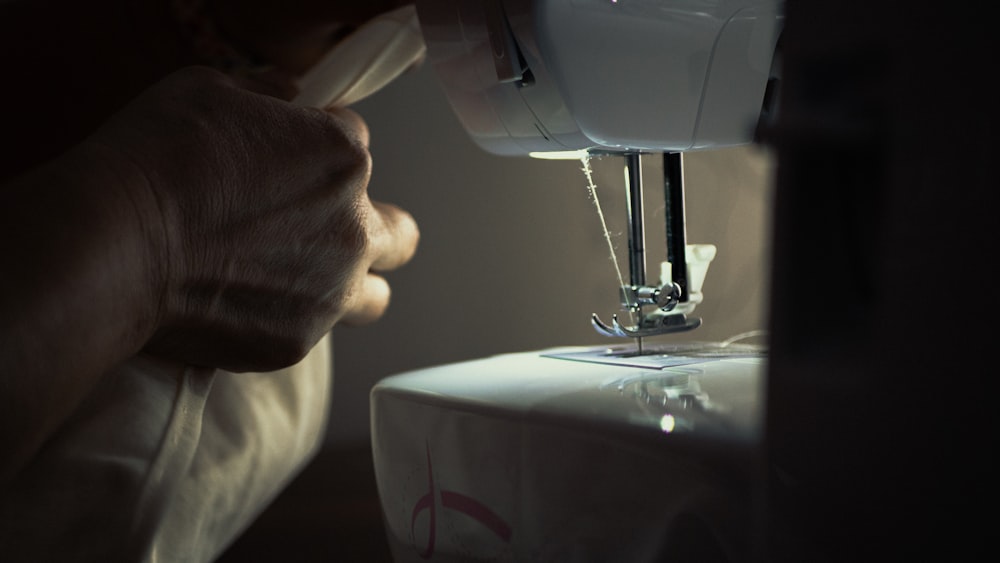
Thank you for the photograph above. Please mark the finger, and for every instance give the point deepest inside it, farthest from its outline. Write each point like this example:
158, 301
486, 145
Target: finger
352, 121
394, 237
370, 301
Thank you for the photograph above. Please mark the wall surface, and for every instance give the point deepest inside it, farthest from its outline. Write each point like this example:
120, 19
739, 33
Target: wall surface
512, 256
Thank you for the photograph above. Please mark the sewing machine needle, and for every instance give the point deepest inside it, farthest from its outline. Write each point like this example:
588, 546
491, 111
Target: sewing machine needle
638, 344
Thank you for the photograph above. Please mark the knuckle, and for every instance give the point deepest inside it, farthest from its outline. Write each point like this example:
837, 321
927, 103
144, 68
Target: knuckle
380, 295
372, 304
353, 238
345, 164
359, 165
356, 159
409, 232
347, 148
382, 304
398, 236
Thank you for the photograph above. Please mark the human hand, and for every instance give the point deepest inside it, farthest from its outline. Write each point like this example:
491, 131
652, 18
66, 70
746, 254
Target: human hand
258, 219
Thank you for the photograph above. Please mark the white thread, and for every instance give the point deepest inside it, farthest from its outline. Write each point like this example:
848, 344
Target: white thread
592, 189
742, 336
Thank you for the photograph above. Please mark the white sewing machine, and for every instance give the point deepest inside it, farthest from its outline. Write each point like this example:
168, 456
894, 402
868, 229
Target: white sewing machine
641, 451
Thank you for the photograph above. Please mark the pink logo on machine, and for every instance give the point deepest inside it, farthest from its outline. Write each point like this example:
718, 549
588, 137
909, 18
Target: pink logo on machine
454, 501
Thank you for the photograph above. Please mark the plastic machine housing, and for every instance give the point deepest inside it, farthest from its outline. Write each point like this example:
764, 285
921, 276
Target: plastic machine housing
573, 455
631, 75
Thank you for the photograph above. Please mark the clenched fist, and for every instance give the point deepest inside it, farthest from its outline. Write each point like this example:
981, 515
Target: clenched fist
206, 220
260, 231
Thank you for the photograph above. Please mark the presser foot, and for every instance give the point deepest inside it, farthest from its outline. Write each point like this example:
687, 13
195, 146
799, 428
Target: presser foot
649, 325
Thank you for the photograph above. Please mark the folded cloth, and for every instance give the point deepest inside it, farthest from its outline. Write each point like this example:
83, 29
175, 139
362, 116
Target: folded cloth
365, 61
165, 462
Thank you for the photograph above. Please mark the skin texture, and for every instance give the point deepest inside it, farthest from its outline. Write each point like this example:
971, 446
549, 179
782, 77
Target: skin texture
173, 209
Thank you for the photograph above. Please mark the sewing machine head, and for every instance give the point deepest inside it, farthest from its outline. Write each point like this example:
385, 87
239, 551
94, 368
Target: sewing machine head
571, 78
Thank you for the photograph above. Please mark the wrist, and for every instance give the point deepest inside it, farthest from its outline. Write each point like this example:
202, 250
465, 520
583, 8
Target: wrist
78, 295
126, 237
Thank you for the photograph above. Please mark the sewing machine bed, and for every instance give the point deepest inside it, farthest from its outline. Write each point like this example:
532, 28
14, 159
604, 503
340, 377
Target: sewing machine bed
582, 454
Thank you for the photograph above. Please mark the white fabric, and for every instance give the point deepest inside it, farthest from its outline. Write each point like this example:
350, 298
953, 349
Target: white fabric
364, 61
166, 462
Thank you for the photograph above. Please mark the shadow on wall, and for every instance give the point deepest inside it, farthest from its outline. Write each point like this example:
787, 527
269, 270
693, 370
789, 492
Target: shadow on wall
512, 256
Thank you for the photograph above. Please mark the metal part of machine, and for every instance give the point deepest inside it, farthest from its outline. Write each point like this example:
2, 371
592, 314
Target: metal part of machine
623, 77
675, 297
